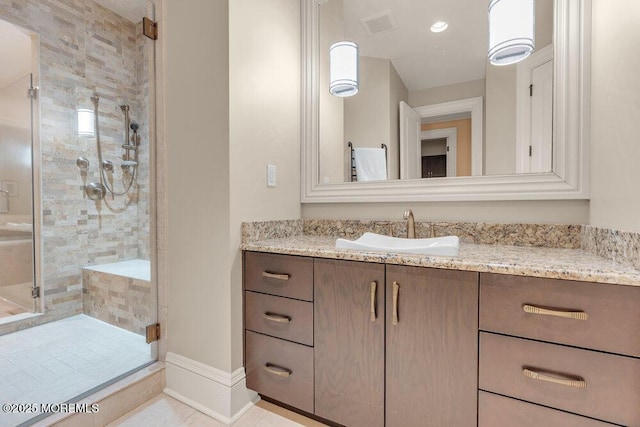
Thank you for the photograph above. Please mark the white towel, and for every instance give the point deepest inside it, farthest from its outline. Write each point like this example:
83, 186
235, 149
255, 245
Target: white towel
371, 164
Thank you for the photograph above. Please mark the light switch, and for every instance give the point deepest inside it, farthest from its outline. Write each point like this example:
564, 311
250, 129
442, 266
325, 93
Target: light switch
271, 175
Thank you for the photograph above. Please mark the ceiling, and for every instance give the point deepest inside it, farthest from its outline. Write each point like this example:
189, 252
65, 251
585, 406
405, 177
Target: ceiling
424, 59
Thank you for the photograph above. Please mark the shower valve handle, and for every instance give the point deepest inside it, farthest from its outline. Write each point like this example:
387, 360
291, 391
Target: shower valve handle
95, 191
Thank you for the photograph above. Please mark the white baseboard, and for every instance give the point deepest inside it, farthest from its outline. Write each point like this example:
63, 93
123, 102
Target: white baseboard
219, 394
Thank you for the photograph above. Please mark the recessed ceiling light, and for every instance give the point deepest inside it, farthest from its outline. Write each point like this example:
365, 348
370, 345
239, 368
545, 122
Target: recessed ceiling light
439, 27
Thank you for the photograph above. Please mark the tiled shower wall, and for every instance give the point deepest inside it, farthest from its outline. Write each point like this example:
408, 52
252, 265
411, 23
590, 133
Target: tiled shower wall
86, 49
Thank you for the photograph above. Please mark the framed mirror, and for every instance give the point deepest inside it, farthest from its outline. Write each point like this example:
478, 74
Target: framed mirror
453, 127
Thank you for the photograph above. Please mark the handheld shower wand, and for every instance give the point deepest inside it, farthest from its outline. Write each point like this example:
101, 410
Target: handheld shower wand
127, 121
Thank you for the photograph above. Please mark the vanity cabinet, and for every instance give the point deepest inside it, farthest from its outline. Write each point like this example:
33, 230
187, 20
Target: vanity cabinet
432, 347
500, 411
278, 306
372, 344
567, 345
349, 326
391, 345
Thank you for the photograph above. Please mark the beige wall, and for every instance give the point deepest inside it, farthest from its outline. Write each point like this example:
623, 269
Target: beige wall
222, 131
14, 105
333, 156
371, 117
366, 115
265, 126
500, 120
398, 92
197, 133
615, 138
15, 147
544, 23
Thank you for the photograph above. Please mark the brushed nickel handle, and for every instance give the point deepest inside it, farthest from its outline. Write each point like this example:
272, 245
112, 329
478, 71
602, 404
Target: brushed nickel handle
548, 378
276, 370
374, 285
577, 315
275, 276
396, 291
276, 317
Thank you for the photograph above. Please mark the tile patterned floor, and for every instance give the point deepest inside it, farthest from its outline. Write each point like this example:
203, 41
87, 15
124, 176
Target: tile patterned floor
55, 362
165, 411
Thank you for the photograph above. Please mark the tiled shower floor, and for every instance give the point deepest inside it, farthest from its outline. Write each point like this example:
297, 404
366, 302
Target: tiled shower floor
55, 362
8, 308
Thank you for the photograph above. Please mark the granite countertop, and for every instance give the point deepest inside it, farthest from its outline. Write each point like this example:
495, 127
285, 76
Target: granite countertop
556, 263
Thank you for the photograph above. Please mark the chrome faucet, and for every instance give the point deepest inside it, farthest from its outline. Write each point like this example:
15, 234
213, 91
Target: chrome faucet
411, 224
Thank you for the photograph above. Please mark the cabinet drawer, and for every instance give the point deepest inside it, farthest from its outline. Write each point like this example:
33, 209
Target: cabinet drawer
612, 389
500, 411
280, 317
280, 370
282, 275
613, 312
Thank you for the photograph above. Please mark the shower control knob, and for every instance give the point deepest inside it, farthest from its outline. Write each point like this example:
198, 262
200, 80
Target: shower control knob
107, 165
95, 191
82, 164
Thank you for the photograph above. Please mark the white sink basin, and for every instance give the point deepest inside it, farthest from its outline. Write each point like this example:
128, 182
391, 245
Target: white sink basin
446, 246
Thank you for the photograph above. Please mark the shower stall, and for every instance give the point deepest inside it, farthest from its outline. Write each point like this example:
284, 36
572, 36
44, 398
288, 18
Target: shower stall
77, 126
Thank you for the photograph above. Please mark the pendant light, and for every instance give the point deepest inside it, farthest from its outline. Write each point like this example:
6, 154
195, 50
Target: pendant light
511, 30
343, 69
86, 123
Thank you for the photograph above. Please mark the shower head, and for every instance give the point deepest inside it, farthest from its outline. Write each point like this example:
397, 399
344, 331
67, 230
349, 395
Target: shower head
129, 166
134, 126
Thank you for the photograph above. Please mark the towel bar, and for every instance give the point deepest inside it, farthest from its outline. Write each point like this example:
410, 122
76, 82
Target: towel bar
354, 175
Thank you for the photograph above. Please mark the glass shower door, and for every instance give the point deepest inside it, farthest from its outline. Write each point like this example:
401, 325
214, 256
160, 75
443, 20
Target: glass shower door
16, 186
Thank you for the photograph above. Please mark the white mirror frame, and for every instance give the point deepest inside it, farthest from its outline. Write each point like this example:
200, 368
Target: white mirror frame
571, 136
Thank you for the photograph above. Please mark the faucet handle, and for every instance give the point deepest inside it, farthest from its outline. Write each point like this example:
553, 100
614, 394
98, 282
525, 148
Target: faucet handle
411, 227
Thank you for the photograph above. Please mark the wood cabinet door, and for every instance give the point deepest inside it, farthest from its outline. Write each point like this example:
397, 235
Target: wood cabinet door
349, 342
432, 351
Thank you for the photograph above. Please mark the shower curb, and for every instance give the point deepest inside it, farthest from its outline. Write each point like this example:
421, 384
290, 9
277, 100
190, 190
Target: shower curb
114, 400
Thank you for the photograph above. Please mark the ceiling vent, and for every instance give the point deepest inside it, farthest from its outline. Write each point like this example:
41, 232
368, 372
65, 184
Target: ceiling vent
379, 23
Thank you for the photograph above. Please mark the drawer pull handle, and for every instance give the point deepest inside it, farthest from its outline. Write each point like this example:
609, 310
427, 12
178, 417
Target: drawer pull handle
396, 291
577, 315
562, 381
276, 318
374, 285
275, 276
276, 370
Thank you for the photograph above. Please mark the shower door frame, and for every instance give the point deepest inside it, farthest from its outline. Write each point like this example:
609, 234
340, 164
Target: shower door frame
36, 179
